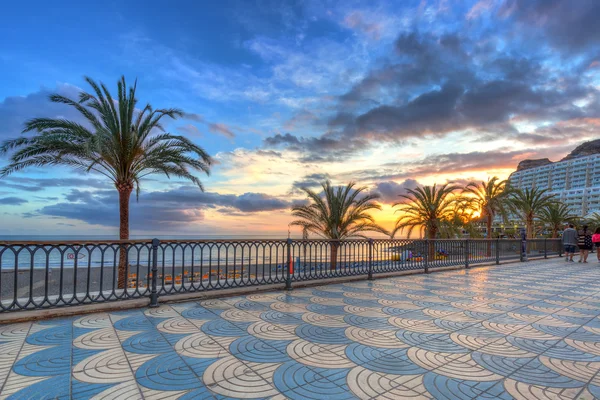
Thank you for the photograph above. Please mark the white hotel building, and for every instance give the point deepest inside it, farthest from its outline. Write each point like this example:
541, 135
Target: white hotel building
576, 182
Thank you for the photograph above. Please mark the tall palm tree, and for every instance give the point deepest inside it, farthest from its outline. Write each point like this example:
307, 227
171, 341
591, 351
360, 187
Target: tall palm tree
490, 197
554, 217
118, 141
528, 204
339, 213
429, 208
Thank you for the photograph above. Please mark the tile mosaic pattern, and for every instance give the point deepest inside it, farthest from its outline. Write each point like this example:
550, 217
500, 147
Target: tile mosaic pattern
525, 331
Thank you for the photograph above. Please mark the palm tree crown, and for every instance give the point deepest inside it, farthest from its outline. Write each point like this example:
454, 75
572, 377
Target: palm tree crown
554, 217
118, 141
431, 208
339, 213
528, 204
490, 197
121, 142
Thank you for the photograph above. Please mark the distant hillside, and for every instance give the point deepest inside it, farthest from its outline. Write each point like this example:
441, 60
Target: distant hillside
584, 149
528, 164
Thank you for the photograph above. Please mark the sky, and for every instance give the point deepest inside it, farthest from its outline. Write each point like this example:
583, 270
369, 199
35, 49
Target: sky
286, 94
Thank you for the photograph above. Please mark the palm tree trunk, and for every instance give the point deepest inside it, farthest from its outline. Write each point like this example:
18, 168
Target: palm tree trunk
528, 232
529, 226
431, 251
489, 234
334, 252
124, 190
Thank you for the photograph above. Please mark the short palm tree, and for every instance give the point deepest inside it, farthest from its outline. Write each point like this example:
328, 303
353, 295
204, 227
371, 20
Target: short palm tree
490, 197
528, 205
338, 213
118, 141
554, 216
429, 208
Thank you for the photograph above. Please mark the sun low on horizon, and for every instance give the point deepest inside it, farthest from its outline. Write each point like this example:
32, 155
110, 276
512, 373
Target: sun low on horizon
287, 95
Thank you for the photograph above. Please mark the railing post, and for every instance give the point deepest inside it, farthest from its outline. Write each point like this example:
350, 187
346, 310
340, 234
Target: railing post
370, 259
153, 292
288, 279
560, 248
545, 248
521, 256
523, 245
497, 251
467, 254
426, 256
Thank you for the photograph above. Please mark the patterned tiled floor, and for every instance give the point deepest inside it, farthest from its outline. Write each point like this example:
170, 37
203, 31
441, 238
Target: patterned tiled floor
528, 331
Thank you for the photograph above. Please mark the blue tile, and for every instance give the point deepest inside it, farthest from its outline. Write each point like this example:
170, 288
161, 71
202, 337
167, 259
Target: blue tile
292, 374
52, 388
369, 322
84, 390
322, 335
565, 352
137, 322
536, 373
220, 327
441, 387
198, 312
536, 346
326, 310
52, 361
52, 336
150, 342
277, 317
249, 348
167, 372
503, 366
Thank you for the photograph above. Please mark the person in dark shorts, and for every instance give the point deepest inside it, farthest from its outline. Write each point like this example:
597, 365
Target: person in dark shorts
569, 239
584, 241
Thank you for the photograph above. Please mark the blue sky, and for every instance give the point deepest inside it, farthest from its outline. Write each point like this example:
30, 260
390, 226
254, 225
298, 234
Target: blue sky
288, 93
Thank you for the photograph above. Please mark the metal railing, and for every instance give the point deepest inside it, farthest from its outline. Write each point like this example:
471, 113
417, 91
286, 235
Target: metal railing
37, 275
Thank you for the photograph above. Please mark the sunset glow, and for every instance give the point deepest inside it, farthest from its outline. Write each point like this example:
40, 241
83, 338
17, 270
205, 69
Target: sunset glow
289, 94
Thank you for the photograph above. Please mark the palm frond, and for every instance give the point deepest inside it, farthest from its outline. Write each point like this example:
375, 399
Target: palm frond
118, 141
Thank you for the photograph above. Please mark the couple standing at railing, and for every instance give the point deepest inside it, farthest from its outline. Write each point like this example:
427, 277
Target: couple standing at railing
584, 240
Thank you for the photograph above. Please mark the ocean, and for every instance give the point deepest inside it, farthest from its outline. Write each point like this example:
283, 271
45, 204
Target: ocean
92, 255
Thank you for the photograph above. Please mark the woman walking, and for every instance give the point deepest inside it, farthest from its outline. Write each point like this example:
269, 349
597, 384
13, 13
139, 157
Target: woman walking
596, 241
585, 244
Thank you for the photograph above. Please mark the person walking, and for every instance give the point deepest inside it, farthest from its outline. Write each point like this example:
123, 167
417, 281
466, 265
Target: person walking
596, 241
584, 241
569, 239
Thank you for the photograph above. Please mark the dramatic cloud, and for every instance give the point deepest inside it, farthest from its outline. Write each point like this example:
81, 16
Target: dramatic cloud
444, 164
390, 190
38, 184
569, 25
327, 148
180, 206
434, 84
12, 201
388, 94
16, 110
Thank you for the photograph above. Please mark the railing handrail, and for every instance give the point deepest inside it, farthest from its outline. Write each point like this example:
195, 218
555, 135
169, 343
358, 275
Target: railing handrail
56, 273
149, 241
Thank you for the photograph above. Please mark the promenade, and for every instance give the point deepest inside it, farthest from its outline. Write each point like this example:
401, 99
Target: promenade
521, 330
